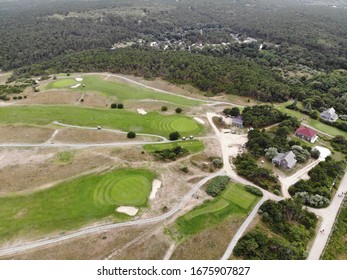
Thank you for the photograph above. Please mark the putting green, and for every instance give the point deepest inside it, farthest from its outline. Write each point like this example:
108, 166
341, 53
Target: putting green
73, 204
152, 123
63, 83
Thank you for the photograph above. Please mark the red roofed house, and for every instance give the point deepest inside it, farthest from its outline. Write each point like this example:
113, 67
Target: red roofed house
306, 133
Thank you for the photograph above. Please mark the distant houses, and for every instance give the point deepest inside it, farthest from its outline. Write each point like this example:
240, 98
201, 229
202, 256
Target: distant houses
329, 115
285, 160
307, 134
237, 121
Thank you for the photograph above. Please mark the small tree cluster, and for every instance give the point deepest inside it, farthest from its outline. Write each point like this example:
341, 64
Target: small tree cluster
301, 154
313, 200
270, 153
173, 136
217, 185
253, 190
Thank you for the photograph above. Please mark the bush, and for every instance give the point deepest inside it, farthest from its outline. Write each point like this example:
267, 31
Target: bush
184, 169
15, 97
173, 136
178, 110
253, 190
217, 163
315, 154
217, 185
114, 105
120, 106
171, 154
164, 108
131, 134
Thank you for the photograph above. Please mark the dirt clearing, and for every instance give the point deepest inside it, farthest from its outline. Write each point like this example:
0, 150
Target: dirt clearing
27, 134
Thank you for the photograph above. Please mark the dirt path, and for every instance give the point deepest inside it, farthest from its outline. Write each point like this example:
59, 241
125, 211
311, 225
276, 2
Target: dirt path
170, 251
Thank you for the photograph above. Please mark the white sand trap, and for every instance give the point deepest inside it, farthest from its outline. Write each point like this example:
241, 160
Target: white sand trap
324, 152
76, 86
156, 185
79, 79
141, 112
199, 120
131, 211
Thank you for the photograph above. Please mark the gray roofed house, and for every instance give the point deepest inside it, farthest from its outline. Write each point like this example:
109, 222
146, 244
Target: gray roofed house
329, 115
286, 160
237, 121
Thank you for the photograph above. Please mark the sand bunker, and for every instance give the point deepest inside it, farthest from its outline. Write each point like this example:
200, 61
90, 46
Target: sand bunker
79, 79
199, 120
156, 185
131, 211
76, 86
141, 111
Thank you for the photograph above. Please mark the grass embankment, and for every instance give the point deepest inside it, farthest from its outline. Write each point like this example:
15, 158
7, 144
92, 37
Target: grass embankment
206, 231
193, 146
121, 91
74, 204
235, 200
152, 123
314, 123
337, 246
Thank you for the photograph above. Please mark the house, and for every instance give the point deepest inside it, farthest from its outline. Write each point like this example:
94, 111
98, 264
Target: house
237, 121
329, 115
306, 133
286, 160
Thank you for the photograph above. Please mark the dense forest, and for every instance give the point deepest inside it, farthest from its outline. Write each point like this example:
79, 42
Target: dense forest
313, 35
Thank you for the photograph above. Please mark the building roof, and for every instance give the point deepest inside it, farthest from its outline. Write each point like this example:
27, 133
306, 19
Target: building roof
308, 132
238, 119
329, 114
289, 157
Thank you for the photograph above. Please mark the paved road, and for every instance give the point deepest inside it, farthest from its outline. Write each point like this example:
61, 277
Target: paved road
328, 219
48, 241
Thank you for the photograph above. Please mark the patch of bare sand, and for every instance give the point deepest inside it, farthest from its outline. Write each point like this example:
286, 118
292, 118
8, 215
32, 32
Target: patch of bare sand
149, 246
131, 211
38, 167
91, 247
74, 135
14, 157
156, 185
27, 134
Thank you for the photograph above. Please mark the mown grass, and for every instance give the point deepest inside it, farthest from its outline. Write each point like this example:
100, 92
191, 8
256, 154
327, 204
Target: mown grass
314, 123
62, 83
193, 146
152, 123
73, 204
234, 201
122, 91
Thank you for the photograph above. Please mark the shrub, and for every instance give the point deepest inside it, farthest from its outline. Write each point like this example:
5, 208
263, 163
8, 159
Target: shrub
20, 97
131, 134
184, 169
315, 154
114, 105
253, 190
120, 106
164, 108
217, 163
173, 136
217, 185
171, 154
15, 97
178, 110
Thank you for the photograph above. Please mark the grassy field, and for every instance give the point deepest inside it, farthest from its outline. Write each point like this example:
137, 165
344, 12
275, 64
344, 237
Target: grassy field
152, 123
73, 204
314, 123
193, 146
234, 201
121, 91
337, 246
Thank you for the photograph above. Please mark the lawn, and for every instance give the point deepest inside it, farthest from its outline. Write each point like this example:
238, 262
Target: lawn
234, 201
73, 204
314, 123
62, 83
152, 123
121, 91
193, 146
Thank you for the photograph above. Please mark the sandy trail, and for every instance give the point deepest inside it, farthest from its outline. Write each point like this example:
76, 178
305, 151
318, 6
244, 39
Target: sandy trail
199, 120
